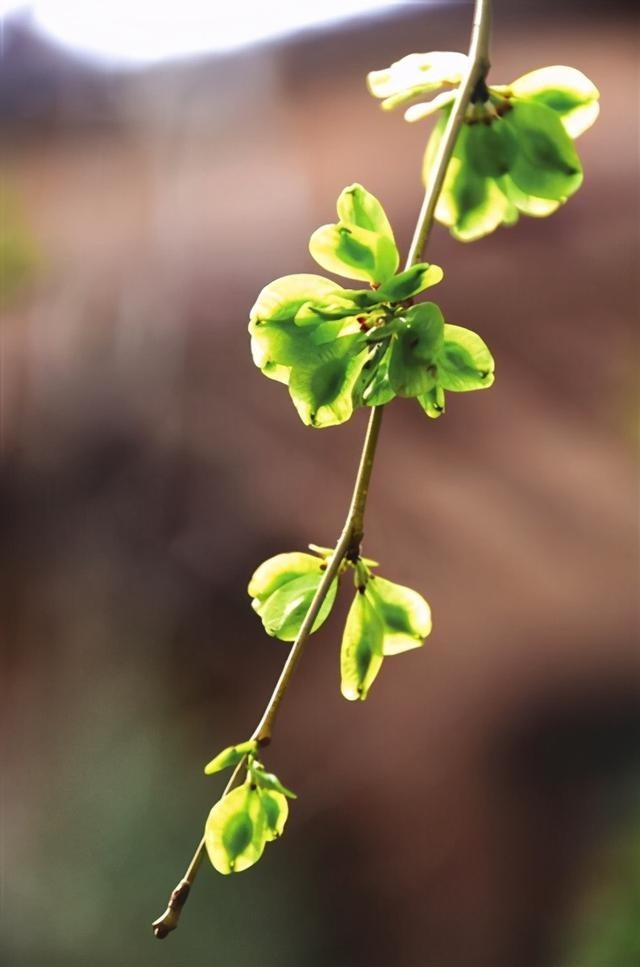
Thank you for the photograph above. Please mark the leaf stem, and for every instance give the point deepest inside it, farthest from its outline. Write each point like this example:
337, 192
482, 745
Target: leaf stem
348, 545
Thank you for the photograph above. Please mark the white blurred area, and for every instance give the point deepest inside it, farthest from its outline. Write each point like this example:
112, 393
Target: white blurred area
145, 31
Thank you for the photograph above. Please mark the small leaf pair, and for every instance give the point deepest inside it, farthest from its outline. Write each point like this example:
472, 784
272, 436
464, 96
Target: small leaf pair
514, 153
241, 824
384, 619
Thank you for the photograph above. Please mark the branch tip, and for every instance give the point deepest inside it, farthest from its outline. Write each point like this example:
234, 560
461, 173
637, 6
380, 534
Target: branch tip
163, 926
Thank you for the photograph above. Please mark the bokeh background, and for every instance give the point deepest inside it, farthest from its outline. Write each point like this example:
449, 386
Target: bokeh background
482, 809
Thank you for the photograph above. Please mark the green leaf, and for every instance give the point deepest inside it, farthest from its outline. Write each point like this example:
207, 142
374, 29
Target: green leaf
566, 91
267, 780
417, 112
405, 614
361, 651
283, 612
416, 74
235, 831
311, 314
410, 282
281, 569
275, 810
412, 369
491, 148
527, 204
472, 205
282, 298
433, 144
230, 756
432, 402
283, 343
373, 387
357, 206
547, 165
464, 361
355, 253
322, 388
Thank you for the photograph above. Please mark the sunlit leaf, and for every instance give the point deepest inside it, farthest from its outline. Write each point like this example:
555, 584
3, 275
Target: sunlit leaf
410, 282
424, 110
283, 612
267, 780
490, 148
433, 402
355, 253
235, 834
281, 569
275, 810
230, 756
565, 90
283, 343
412, 369
472, 205
361, 652
405, 614
547, 165
282, 298
464, 361
433, 145
373, 387
357, 206
527, 204
416, 74
322, 388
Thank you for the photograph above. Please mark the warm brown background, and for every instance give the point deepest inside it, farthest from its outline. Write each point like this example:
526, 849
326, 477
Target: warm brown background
460, 818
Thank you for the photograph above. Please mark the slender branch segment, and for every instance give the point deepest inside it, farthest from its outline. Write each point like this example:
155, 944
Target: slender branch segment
348, 545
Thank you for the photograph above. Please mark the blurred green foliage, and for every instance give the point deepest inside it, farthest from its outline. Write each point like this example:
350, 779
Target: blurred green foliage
18, 252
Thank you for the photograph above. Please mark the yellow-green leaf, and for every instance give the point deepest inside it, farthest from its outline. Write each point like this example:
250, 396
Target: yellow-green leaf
230, 756
361, 651
405, 614
565, 90
235, 834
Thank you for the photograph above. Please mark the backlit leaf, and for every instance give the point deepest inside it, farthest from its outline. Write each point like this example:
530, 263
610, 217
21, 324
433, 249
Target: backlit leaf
279, 570
490, 148
410, 282
405, 614
281, 299
267, 780
433, 402
357, 206
361, 651
322, 388
283, 612
412, 369
566, 91
464, 361
275, 810
416, 74
547, 165
355, 253
235, 831
230, 756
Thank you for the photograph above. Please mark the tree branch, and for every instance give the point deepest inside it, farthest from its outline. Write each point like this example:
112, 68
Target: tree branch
348, 545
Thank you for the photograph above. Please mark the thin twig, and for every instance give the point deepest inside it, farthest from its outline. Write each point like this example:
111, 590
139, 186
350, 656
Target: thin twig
348, 545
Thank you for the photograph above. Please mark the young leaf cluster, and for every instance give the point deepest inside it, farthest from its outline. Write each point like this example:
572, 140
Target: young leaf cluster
248, 817
339, 349
515, 152
384, 619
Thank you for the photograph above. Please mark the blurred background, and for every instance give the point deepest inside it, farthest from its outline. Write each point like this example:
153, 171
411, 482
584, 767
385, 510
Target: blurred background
482, 809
